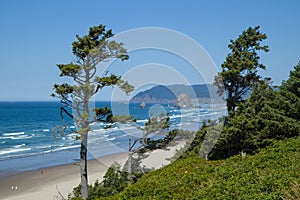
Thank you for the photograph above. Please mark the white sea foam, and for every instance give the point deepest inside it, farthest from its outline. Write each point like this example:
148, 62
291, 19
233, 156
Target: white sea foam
62, 148
111, 139
7, 137
210, 114
68, 147
13, 134
20, 145
10, 150
20, 137
17, 137
93, 123
45, 130
43, 147
73, 135
142, 120
175, 116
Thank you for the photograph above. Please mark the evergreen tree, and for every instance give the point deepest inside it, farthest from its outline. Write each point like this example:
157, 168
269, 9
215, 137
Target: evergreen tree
239, 71
89, 50
290, 91
257, 123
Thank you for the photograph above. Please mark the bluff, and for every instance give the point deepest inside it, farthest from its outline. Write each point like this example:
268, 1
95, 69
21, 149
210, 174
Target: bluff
171, 93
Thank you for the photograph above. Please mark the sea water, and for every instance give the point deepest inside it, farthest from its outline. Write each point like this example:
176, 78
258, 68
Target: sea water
30, 132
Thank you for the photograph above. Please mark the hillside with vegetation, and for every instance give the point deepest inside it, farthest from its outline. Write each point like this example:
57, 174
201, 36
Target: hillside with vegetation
269, 130
270, 174
256, 157
253, 153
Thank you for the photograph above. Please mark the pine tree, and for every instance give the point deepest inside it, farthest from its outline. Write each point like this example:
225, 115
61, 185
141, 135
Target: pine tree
89, 50
239, 71
290, 91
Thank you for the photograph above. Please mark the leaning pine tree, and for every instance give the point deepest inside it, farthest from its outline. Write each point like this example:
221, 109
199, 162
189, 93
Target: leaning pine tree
89, 50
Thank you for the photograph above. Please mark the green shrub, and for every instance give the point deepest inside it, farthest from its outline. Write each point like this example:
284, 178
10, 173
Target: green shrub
266, 175
123, 118
114, 181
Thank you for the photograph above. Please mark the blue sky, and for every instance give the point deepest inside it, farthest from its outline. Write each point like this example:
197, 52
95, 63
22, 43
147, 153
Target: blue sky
37, 35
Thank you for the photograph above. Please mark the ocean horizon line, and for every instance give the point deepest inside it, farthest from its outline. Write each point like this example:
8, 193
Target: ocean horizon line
49, 101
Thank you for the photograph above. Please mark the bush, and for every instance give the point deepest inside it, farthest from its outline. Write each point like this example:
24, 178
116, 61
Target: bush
266, 175
258, 122
114, 181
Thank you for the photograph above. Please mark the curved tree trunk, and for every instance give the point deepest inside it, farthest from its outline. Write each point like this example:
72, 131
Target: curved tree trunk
90, 50
83, 166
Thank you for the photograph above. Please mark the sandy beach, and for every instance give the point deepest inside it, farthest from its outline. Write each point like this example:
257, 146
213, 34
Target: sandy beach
47, 183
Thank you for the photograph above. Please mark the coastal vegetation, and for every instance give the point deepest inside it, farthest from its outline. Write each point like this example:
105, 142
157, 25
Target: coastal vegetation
240, 70
123, 118
270, 174
256, 154
89, 51
262, 161
266, 116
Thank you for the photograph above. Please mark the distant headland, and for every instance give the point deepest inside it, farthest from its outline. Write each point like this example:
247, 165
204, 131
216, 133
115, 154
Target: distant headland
179, 94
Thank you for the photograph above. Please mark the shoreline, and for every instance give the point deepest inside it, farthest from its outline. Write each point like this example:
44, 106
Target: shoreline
50, 181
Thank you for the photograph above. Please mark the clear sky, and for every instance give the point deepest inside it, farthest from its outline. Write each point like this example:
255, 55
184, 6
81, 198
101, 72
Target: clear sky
36, 35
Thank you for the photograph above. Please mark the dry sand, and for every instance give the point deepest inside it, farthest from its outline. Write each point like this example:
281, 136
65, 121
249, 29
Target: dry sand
158, 158
46, 183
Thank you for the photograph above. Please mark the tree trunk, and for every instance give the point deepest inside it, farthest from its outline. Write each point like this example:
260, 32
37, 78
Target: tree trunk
229, 102
129, 161
84, 137
83, 166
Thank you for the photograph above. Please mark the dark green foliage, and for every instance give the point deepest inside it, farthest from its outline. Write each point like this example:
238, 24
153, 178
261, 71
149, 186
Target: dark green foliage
257, 123
112, 80
114, 181
125, 86
261, 126
103, 114
195, 145
159, 143
123, 118
266, 175
239, 71
96, 40
204, 140
69, 70
90, 50
157, 123
266, 116
62, 90
290, 91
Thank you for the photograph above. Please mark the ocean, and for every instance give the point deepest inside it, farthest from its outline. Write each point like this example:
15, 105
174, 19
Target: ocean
30, 132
